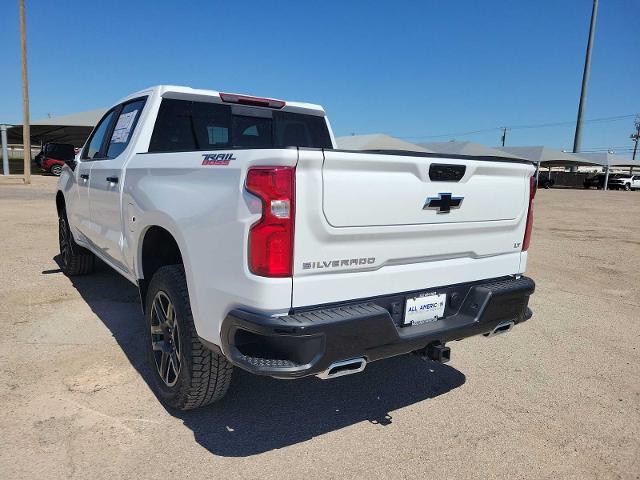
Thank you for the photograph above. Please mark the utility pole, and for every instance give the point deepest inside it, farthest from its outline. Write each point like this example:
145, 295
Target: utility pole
26, 130
504, 135
635, 136
585, 78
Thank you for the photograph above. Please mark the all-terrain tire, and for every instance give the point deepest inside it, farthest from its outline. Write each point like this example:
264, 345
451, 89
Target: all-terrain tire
75, 259
203, 376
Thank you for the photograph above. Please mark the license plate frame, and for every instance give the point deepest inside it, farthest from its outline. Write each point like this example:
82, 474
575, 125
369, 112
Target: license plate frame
424, 308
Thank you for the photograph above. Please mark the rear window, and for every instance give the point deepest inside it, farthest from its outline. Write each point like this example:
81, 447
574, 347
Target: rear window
185, 125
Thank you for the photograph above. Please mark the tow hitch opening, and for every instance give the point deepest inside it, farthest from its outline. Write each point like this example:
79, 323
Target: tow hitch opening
438, 352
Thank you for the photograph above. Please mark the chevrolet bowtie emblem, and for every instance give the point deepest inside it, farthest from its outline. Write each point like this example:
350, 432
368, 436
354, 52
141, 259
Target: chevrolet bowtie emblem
444, 202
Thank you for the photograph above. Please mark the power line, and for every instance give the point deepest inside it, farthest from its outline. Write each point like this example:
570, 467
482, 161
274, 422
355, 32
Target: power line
606, 149
458, 134
521, 127
594, 120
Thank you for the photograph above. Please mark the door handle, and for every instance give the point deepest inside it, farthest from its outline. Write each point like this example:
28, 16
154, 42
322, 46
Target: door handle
112, 179
84, 176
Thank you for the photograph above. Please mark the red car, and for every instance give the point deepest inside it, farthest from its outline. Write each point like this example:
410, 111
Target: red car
53, 156
52, 165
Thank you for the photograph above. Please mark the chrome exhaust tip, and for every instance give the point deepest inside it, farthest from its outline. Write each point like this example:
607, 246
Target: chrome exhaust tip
502, 327
342, 368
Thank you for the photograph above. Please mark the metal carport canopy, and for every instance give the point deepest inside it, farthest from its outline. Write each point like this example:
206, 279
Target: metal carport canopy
607, 159
74, 128
468, 148
377, 141
556, 158
549, 157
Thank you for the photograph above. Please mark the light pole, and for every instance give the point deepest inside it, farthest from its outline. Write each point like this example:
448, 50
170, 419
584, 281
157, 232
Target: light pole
26, 130
585, 78
5, 153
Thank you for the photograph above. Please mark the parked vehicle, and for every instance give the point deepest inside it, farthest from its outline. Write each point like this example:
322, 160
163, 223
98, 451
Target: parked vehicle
544, 181
624, 182
596, 181
255, 244
52, 165
38, 158
53, 157
617, 181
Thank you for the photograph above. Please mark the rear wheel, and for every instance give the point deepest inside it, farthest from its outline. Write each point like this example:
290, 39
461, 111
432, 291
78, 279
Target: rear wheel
56, 170
186, 374
75, 259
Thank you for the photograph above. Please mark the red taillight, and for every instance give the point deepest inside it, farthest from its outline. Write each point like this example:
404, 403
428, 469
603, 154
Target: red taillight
271, 238
529, 227
255, 101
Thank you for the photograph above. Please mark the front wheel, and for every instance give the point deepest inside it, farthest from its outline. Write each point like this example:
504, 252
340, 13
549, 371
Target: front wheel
56, 170
75, 259
627, 187
186, 374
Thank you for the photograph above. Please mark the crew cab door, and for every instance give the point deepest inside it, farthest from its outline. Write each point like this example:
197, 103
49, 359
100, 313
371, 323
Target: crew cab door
79, 212
80, 217
105, 184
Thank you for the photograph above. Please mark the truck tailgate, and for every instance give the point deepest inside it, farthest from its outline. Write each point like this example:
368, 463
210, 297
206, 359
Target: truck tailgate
370, 224
367, 190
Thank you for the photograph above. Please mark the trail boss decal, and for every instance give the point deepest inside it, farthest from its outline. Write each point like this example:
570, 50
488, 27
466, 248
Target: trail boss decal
215, 159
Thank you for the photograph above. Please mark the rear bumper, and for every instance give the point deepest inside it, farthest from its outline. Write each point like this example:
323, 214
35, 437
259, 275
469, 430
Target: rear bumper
308, 341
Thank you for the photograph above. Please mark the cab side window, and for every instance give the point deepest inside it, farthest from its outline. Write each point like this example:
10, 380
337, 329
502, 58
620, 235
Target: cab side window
124, 127
94, 147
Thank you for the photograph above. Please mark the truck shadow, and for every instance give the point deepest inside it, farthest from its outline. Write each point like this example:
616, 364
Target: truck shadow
260, 414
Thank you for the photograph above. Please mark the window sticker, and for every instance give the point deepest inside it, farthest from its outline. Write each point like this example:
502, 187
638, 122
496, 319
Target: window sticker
123, 127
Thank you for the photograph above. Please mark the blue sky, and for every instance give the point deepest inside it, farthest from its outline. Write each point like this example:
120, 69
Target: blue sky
410, 69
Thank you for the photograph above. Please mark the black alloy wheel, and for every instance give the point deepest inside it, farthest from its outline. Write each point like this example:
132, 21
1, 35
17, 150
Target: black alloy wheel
165, 339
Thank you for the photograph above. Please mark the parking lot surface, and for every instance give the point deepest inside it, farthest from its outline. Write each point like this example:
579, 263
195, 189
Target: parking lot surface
559, 397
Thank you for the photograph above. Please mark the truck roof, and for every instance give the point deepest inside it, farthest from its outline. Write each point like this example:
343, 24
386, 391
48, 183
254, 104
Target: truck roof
175, 91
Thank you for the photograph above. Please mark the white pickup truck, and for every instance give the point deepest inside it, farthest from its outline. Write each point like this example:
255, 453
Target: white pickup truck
256, 243
624, 181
